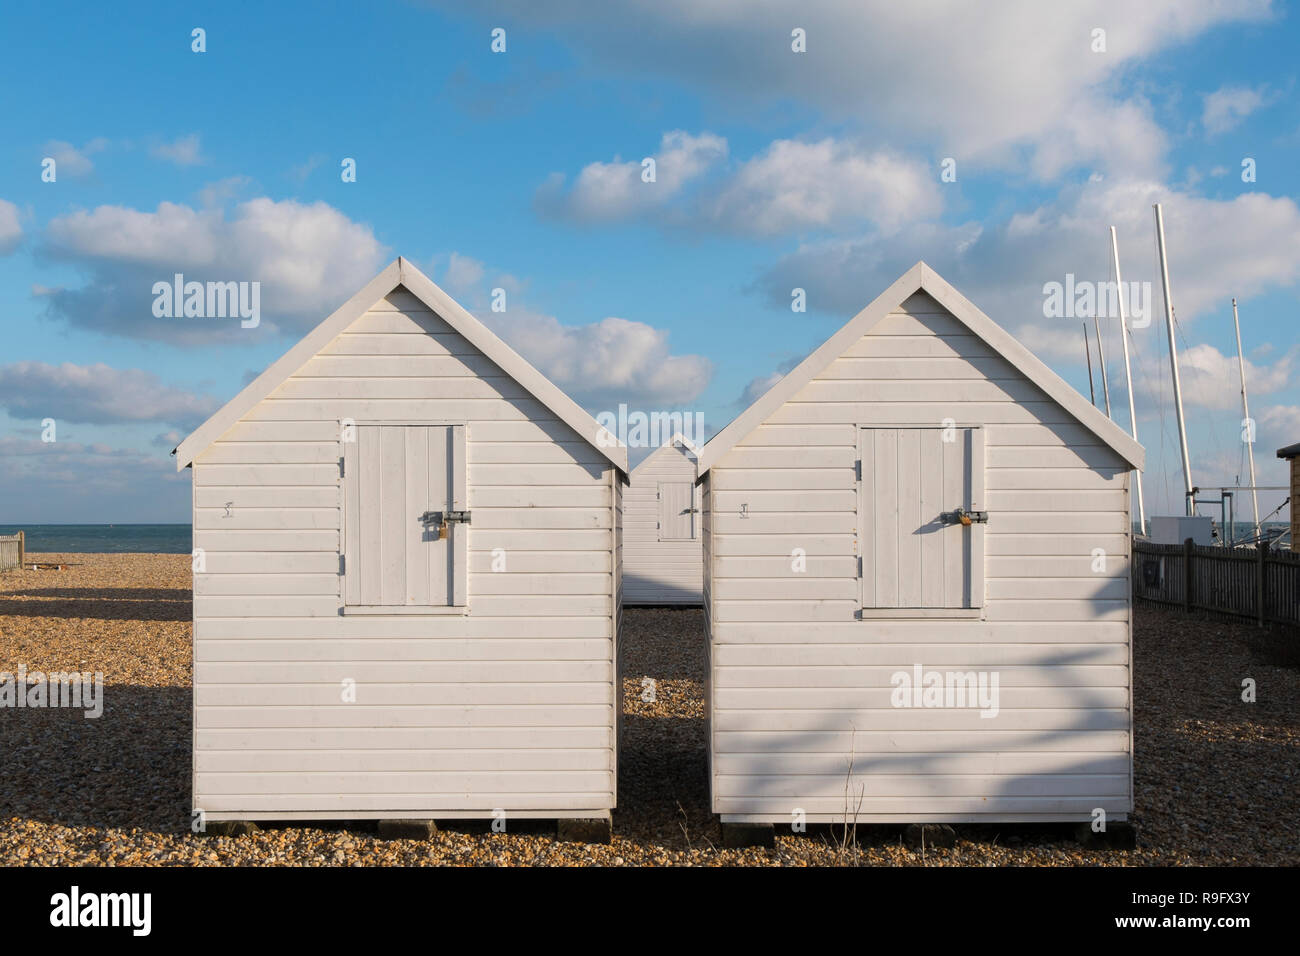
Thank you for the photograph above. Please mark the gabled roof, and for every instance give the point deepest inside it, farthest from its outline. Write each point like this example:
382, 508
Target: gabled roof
921, 278
401, 273
678, 439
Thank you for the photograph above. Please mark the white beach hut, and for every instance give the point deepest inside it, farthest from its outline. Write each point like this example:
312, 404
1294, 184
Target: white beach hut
662, 553
406, 587
917, 582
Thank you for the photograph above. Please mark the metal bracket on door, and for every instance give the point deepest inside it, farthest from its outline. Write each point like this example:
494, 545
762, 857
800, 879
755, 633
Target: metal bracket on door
442, 519
963, 517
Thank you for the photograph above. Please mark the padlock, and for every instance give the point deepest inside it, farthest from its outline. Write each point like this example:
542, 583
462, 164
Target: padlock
442, 531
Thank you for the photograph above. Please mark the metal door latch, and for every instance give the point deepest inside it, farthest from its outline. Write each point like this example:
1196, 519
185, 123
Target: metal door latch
963, 517
442, 519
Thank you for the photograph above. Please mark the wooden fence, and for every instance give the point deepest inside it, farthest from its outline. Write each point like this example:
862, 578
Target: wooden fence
12, 551
1257, 583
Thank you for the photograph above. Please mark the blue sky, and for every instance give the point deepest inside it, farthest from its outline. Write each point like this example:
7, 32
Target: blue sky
521, 170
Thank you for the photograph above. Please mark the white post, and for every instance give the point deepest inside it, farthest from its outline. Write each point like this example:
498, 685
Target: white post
1101, 359
1173, 362
1087, 352
1245, 414
1128, 372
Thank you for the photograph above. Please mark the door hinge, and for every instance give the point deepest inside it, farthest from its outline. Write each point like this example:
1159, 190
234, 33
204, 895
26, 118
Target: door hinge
342, 467
343, 564
857, 469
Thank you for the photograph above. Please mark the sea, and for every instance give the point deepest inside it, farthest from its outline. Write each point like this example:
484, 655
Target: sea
104, 538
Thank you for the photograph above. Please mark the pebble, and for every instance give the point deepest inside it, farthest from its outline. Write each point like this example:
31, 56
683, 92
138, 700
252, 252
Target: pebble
1214, 775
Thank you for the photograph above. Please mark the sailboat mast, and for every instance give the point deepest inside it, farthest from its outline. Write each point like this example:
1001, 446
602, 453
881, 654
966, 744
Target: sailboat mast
1247, 425
1128, 372
1173, 361
1101, 359
1087, 351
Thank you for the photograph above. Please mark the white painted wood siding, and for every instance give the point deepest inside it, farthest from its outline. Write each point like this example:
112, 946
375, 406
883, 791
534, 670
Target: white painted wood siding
509, 705
800, 688
664, 563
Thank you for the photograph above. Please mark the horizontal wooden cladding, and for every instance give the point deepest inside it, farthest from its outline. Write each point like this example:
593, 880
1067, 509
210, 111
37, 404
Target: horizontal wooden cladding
782, 566
884, 785
786, 587
361, 715
262, 583
1099, 457
1058, 566
838, 500
919, 319
417, 805
1046, 721
1020, 500
906, 413
934, 655
262, 541
278, 519
841, 699
827, 677
544, 496
411, 340
964, 344
401, 695
783, 479
463, 782
956, 392
266, 496
460, 739
483, 538
399, 409
1061, 545
904, 632
410, 322
450, 369
336, 647
416, 760
892, 809
546, 430
1094, 587
370, 671
945, 745
780, 545
516, 583
518, 562
1053, 479
802, 458
404, 388
281, 475
300, 452
919, 368
826, 610
564, 605
268, 563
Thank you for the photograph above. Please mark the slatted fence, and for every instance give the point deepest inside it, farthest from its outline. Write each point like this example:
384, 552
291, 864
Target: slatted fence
11, 551
1259, 583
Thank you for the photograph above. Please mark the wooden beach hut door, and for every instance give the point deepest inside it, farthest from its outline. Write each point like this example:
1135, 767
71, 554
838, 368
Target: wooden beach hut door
404, 510
917, 557
676, 511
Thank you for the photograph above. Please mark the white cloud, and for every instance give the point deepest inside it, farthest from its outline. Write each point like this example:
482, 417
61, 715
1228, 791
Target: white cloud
1014, 84
1217, 249
97, 394
608, 192
463, 272
1211, 379
11, 232
309, 258
606, 362
71, 481
219, 192
1227, 106
71, 161
795, 186
183, 151
1284, 422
